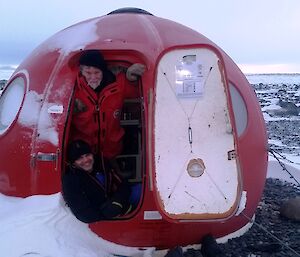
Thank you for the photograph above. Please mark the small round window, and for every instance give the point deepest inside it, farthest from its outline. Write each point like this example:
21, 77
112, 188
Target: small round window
10, 103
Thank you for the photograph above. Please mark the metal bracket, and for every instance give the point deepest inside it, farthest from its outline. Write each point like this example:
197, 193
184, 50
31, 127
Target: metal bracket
231, 155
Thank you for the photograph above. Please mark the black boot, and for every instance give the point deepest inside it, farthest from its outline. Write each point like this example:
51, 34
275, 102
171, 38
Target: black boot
175, 252
210, 247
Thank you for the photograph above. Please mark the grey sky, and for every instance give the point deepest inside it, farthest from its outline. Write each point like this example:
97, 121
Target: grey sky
257, 32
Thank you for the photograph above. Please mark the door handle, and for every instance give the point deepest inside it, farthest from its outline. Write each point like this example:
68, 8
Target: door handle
45, 157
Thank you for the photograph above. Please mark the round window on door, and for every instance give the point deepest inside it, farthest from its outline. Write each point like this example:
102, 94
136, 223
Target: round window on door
10, 103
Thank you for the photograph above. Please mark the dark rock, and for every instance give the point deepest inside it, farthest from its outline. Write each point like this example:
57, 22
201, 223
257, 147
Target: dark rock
288, 108
291, 209
281, 91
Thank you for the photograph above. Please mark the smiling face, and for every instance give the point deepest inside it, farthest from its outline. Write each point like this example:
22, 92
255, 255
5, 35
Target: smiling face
85, 162
92, 75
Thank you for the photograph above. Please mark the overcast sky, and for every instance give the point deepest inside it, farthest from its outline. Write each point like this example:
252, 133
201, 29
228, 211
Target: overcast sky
257, 34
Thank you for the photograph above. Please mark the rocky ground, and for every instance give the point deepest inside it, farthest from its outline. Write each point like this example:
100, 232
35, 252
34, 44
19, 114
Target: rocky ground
271, 234
286, 128
288, 133
284, 240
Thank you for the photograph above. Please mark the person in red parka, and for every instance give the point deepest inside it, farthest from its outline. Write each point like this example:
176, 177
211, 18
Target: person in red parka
99, 97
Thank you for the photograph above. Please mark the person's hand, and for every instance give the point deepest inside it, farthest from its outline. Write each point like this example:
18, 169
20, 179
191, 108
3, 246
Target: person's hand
134, 71
111, 209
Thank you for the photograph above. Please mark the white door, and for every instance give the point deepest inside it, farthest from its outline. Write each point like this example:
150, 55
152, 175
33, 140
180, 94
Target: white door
196, 172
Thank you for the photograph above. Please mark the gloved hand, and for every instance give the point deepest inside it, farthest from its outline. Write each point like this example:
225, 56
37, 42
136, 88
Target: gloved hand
111, 209
134, 71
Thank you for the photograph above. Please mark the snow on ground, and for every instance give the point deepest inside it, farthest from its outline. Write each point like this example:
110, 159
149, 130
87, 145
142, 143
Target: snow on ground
42, 226
276, 171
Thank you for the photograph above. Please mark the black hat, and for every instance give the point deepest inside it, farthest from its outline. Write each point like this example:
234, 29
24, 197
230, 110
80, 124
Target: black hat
76, 149
93, 58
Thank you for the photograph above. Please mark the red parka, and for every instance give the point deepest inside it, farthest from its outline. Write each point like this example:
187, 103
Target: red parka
98, 123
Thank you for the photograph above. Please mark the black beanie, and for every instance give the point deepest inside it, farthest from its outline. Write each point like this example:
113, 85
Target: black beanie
76, 149
93, 58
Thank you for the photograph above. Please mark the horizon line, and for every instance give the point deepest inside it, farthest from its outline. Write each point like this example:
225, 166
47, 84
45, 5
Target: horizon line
270, 73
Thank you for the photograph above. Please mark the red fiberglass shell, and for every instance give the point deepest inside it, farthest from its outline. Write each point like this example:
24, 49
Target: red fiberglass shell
40, 129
